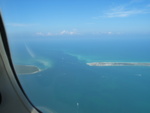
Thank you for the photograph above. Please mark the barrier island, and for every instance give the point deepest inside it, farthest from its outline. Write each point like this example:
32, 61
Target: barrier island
118, 64
26, 69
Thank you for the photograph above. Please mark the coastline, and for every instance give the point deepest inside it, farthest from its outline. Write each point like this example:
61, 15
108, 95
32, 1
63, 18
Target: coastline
118, 64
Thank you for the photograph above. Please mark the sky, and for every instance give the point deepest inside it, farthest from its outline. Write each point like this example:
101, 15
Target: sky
76, 17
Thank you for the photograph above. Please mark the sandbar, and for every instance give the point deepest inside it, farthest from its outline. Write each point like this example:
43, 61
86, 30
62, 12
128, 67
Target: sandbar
26, 69
118, 64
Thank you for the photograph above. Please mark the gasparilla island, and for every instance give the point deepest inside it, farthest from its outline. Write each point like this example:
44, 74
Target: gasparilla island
118, 64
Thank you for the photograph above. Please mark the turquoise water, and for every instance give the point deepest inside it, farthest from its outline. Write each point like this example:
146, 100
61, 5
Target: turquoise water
68, 85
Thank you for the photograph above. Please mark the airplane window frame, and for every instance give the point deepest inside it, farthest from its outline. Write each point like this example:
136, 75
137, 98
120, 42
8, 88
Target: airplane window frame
5, 43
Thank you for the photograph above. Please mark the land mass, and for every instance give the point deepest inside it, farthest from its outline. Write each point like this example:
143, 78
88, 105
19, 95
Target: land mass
26, 69
118, 64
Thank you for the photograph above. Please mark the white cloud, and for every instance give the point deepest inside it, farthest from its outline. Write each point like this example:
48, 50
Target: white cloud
49, 34
65, 32
44, 34
107, 33
126, 10
40, 34
122, 12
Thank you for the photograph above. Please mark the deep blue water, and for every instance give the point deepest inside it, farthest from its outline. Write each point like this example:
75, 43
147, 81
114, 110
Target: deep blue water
66, 79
